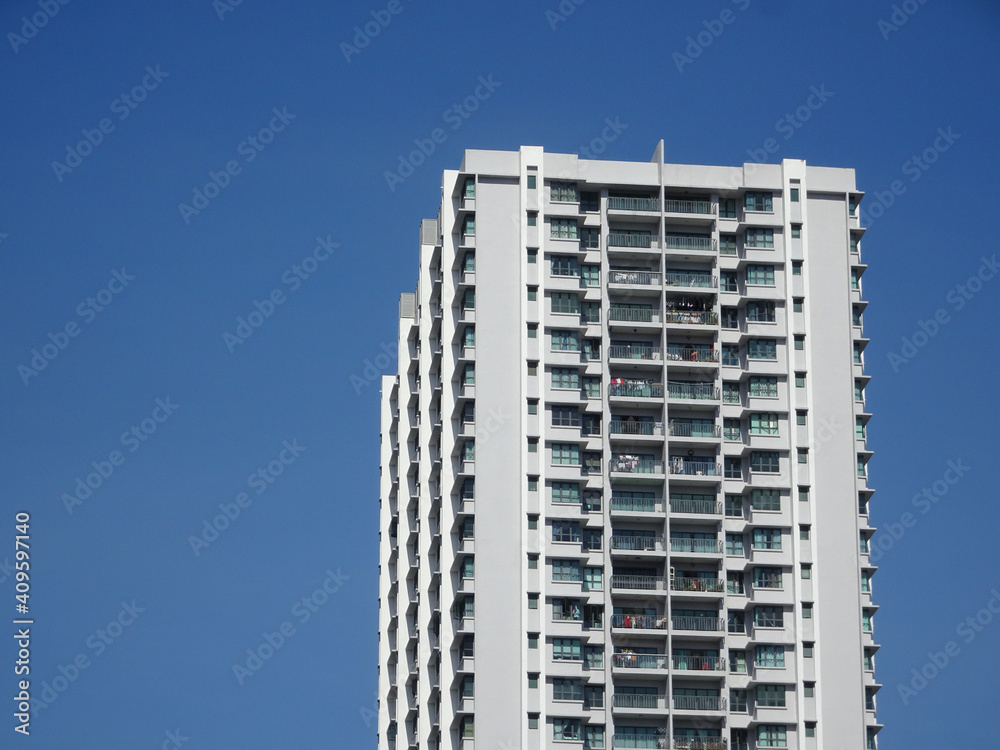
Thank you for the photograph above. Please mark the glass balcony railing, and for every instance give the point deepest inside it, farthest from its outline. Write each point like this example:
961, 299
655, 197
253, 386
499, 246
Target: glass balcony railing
623, 203
689, 242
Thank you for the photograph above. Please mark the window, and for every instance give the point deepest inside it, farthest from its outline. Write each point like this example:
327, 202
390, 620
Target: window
807, 611
861, 467
730, 355
855, 279
564, 377
563, 265
590, 238
565, 416
733, 467
771, 735
793, 195
859, 428
533, 718
532, 483
734, 545
532, 406
563, 302
592, 498
737, 661
532, 218
869, 659
736, 621
532, 562
764, 423
866, 621
806, 572
771, 696
768, 617
802, 455
565, 492
590, 312
592, 387
590, 200
564, 192
856, 315
757, 201
470, 187
804, 533
866, 581
731, 429
533, 680
469, 261
469, 299
532, 640
730, 317
800, 380
532, 330
734, 506
734, 585
566, 729
765, 499
796, 231
796, 268
566, 570
763, 386
593, 657
727, 244
593, 696
468, 527
469, 225
468, 686
800, 417
810, 729
532, 255
565, 531
566, 649
728, 281
469, 336
760, 312
565, 341
759, 238
591, 276
532, 181
565, 229
809, 690
532, 293
566, 690
468, 567
767, 578
533, 445
859, 391
738, 701
532, 601
469, 375
727, 208
469, 450
870, 698
765, 461
468, 728
854, 243
593, 736
760, 275
762, 349
852, 205
803, 494
731, 393
593, 579
767, 539
532, 522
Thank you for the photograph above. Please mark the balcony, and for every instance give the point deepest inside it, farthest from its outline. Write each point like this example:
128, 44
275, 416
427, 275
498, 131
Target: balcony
634, 278
702, 318
689, 242
680, 465
636, 504
700, 624
699, 703
632, 700
641, 741
696, 391
636, 543
638, 583
633, 315
620, 203
648, 352
635, 389
707, 585
688, 207
700, 546
694, 279
631, 240
635, 465
698, 743
688, 353
699, 663
639, 622
629, 660
634, 427
692, 430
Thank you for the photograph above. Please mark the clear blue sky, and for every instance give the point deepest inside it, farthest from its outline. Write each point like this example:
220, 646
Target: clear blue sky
167, 283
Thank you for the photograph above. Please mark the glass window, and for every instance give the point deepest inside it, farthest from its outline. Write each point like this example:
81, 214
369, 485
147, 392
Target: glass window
565, 416
765, 499
762, 349
796, 231
564, 192
760, 275
731, 429
758, 201
470, 187
565, 341
469, 375
532, 218
738, 701
566, 729
734, 506
806, 572
591, 276
564, 377
764, 423
771, 735
468, 567
532, 293
565, 229
759, 238
766, 461
593, 736
469, 336
736, 620
793, 194
796, 268
771, 696
733, 467
730, 355
592, 387
734, 545
767, 539
593, 579
532, 601
800, 342
565, 492
566, 690
737, 661
563, 265
767, 578
760, 312
566, 453
468, 727
566, 649
563, 302
768, 617
532, 181
469, 299
854, 243
727, 244
727, 208
731, 393
730, 317
807, 611
469, 261
469, 226
566, 570
762, 386
728, 281
565, 531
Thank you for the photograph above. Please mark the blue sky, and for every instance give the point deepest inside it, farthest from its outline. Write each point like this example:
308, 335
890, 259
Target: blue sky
144, 373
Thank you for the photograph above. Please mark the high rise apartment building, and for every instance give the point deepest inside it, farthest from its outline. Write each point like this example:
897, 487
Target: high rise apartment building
623, 488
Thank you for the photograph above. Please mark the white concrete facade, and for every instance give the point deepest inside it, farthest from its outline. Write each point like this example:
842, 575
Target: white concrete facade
623, 486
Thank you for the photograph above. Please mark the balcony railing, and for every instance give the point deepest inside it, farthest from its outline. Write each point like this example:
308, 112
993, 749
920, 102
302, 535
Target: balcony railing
699, 663
635, 351
628, 660
699, 743
636, 389
706, 546
634, 314
636, 504
697, 391
704, 318
686, 429
640, 278
703, 624
639, 622
620, 203
676, 352
635, 427
681, 278
637, 543
642, 583
711, 585
699, 703
619, 239
632, 465
641, 741
631, 700
686, 242
688, 207
680, 465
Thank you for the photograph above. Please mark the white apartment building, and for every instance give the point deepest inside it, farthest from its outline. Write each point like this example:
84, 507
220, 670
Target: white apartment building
623, 487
